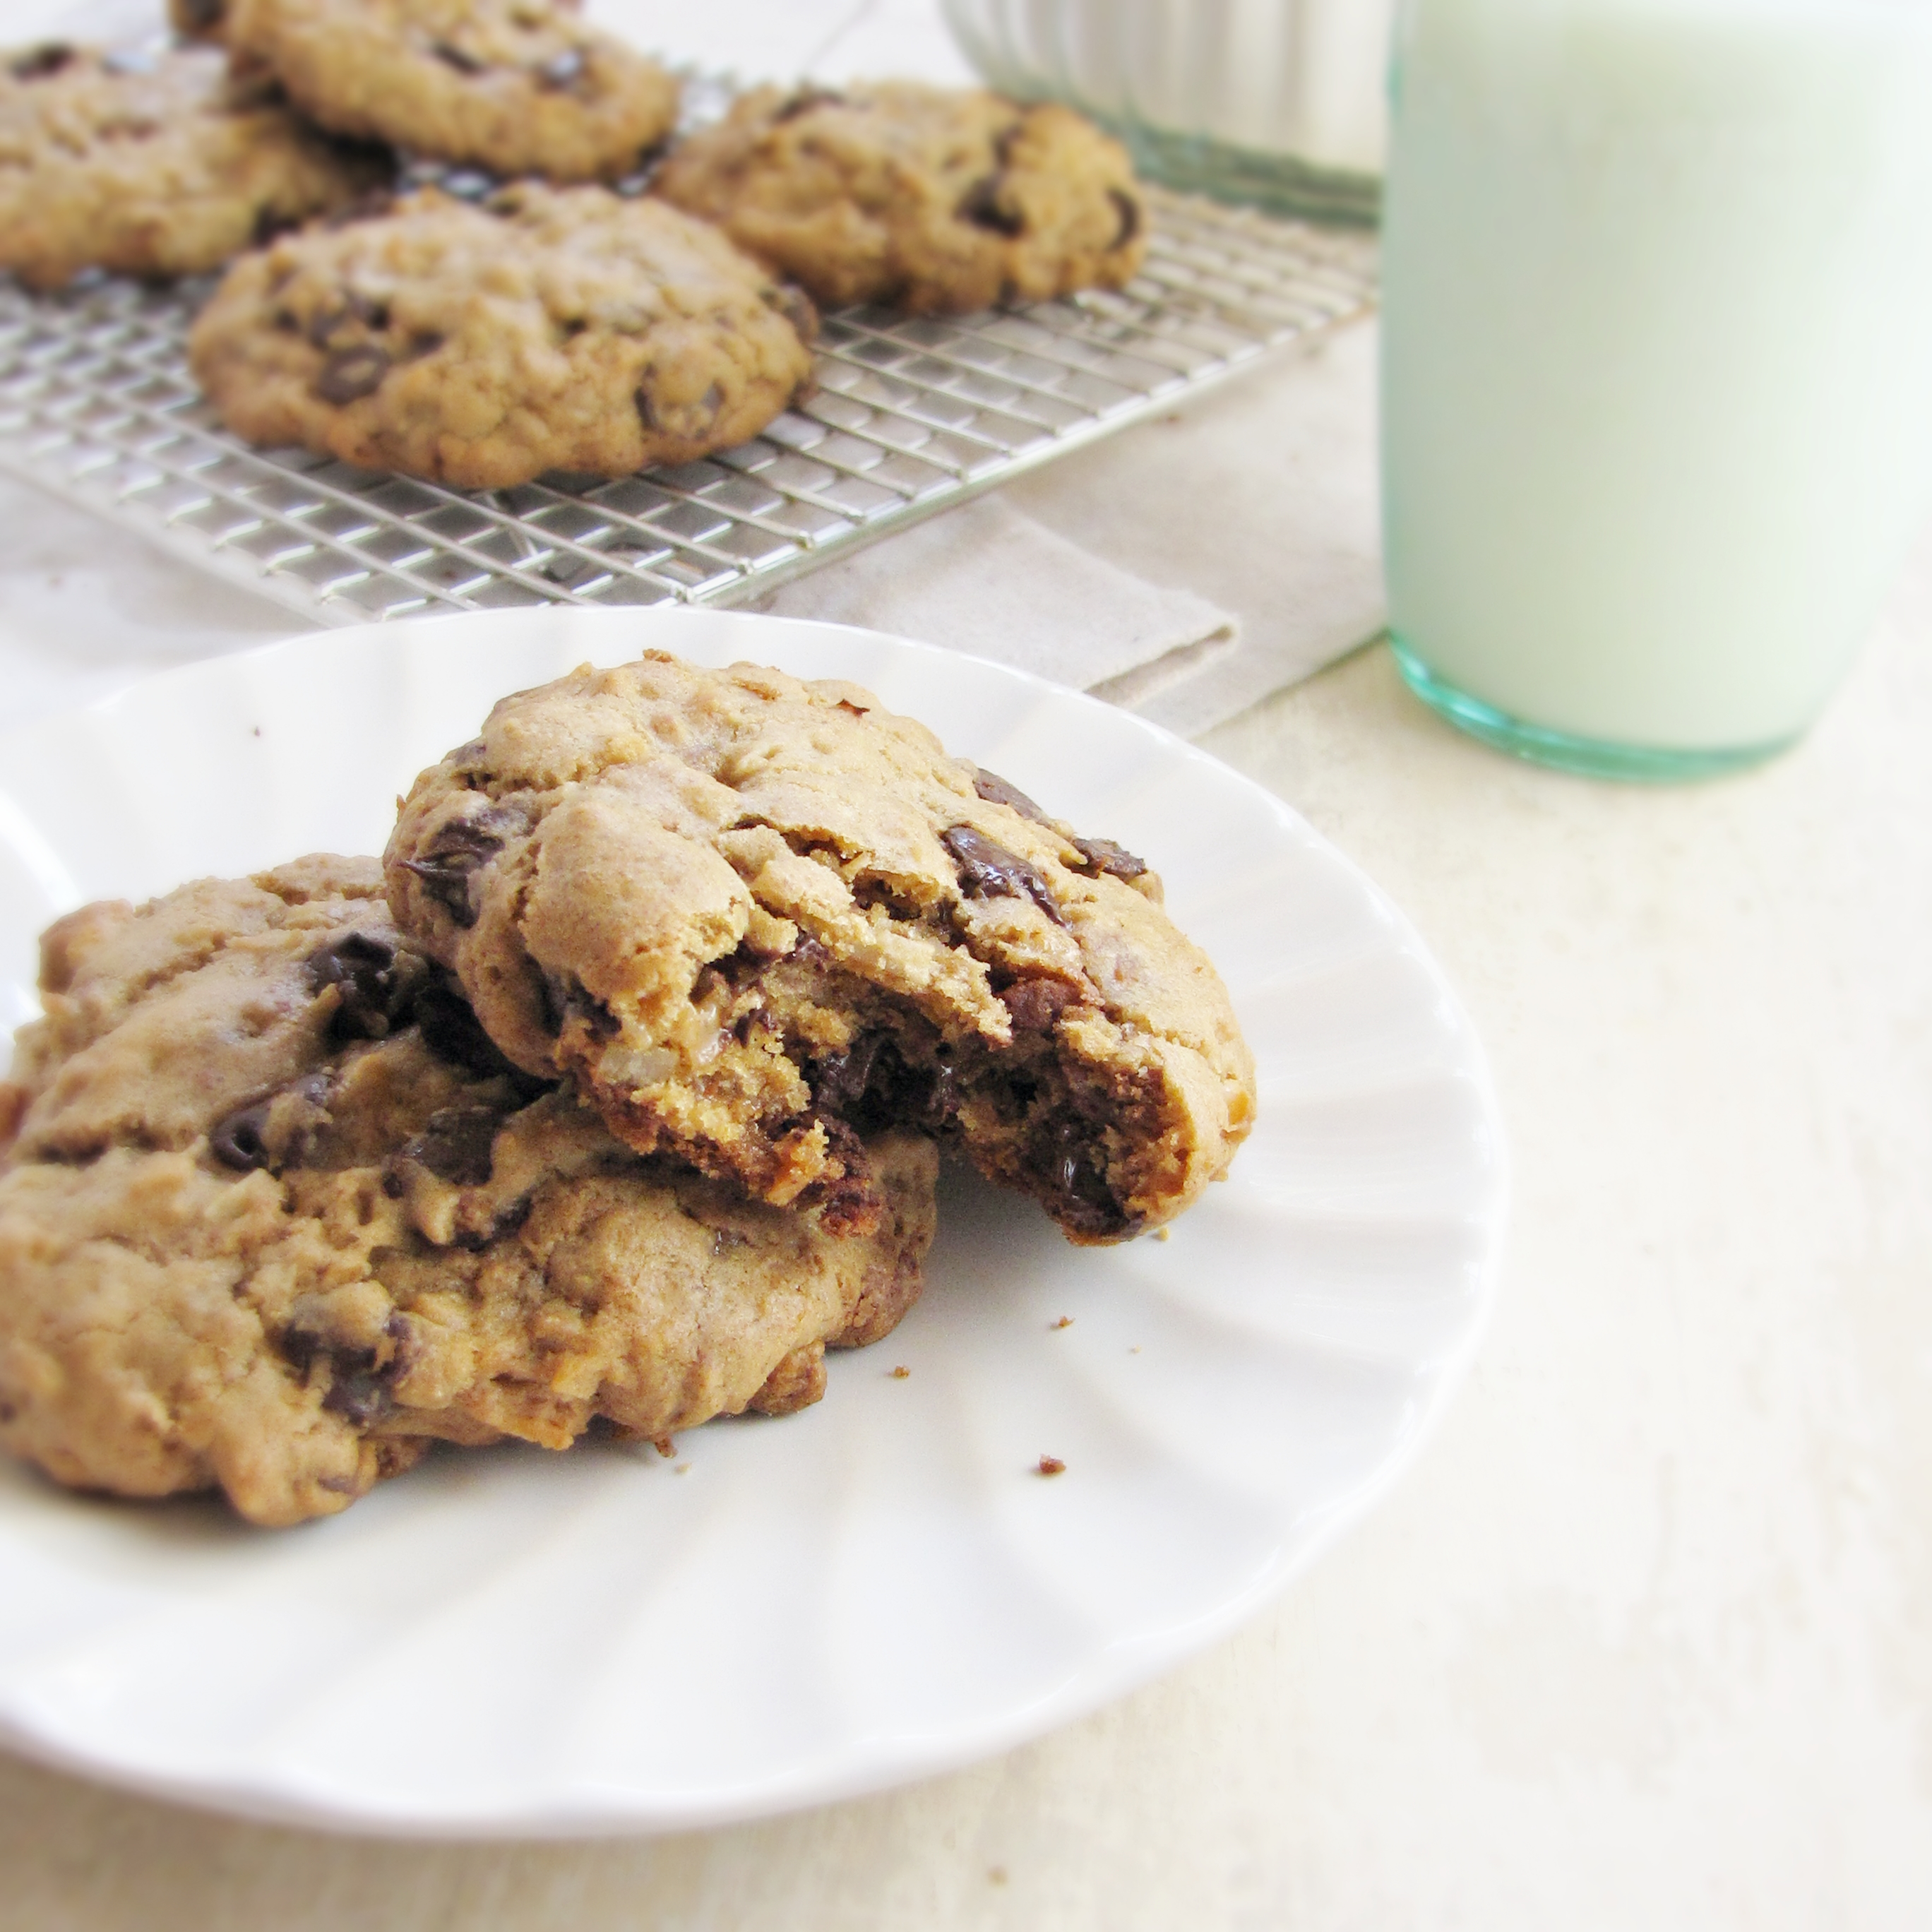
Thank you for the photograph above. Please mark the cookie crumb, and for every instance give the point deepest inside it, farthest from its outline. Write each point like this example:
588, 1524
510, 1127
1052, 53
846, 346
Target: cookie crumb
1051, 1465
1065, 1321
682, 1469
1163, 1234
665, 1447
900, 1373
1135, 1350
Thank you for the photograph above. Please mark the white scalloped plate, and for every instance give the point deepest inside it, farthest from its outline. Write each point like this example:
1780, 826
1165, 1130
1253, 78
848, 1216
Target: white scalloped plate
509, 1642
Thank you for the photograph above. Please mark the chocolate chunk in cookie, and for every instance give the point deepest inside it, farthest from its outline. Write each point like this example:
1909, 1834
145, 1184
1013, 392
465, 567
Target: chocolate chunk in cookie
199, 19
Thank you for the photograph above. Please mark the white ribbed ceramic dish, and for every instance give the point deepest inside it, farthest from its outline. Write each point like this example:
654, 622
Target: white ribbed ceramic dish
511, 1641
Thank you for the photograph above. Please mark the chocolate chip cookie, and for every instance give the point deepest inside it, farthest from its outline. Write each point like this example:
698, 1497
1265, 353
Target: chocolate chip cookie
755, 918
154, 163
276, 1215
932, 201
519, 87
555, 328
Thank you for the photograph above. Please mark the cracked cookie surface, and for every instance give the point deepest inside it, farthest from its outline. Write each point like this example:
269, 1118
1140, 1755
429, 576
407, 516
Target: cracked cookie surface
275, 1215
154, 163
520, 87
556, 328
753, 917
928, 200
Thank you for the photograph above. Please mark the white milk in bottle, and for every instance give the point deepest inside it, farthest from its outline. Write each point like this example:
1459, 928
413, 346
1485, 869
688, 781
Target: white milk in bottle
1657, 362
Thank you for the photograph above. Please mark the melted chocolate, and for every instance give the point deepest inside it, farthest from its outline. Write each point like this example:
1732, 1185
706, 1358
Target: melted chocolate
350, 374
456, 1145
362, 965
987, 870
460, 848
996, 790
1103, 855
980, 205
39, 63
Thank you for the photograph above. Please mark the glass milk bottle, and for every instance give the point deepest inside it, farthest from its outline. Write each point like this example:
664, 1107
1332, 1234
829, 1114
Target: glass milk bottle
1657, 364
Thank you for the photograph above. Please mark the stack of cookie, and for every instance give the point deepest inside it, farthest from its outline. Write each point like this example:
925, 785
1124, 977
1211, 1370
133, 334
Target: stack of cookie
611, 1098
557, 324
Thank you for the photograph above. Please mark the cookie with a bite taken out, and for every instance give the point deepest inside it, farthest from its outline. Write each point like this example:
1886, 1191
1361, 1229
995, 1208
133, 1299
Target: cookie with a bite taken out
753, 919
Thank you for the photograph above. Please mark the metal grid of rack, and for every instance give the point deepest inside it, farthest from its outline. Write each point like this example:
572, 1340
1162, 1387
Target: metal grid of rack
97, 405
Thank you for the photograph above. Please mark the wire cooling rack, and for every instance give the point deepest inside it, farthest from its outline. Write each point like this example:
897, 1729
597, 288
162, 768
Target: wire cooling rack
97, 405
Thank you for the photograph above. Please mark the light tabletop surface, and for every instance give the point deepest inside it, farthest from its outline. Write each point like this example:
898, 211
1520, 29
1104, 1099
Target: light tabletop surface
1645, 1638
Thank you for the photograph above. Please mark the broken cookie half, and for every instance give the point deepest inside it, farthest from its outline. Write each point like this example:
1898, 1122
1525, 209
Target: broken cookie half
756, 918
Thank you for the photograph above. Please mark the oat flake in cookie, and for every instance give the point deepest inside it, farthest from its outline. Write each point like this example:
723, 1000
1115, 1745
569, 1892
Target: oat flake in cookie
515, 86
275, 1215
556, 328
755, 918
931, 200
154, 163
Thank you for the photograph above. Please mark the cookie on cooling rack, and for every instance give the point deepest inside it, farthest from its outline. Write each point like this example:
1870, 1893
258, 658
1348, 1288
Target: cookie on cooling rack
929, 199
566, 328
749, 916
154, 163
518, 87
276, 1216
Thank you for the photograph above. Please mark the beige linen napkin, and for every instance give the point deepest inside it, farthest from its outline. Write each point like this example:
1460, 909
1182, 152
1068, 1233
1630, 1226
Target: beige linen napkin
1184, 569
987, 579
1262, 496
